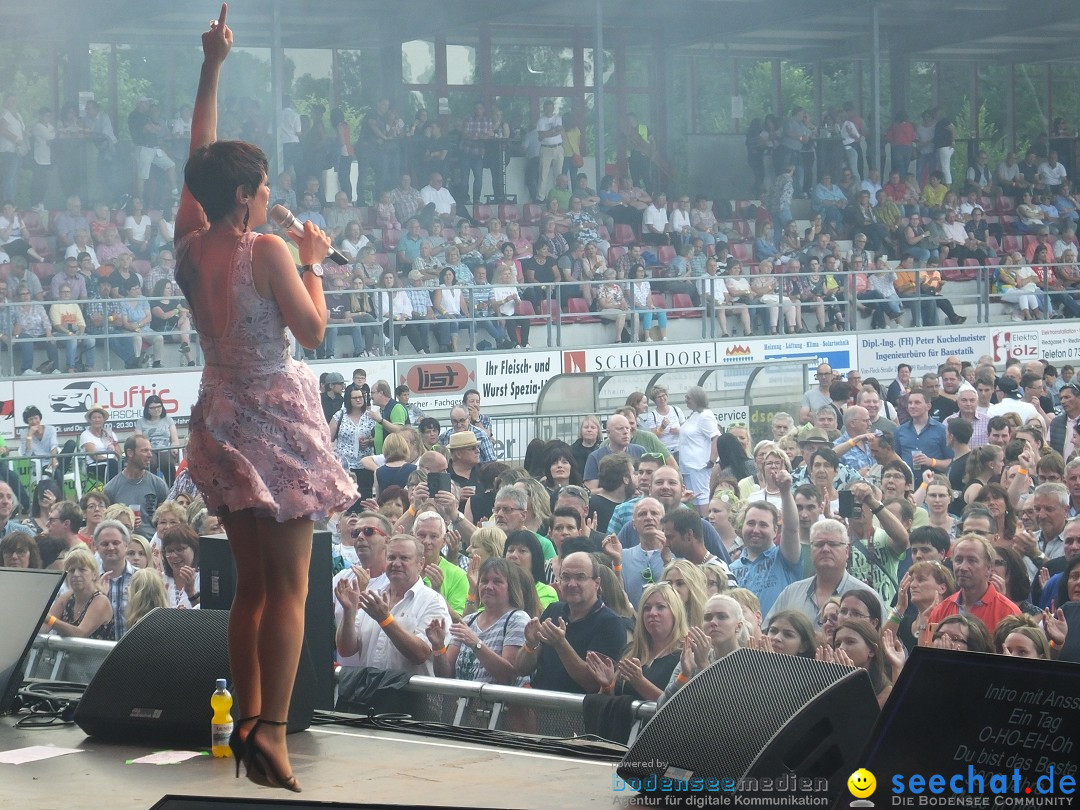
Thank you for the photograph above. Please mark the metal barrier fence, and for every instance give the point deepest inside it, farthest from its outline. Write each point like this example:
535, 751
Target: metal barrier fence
76, 468
442, 700
549, 307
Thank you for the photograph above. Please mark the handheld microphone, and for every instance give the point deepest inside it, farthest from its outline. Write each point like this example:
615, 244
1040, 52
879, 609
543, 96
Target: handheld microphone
284, 217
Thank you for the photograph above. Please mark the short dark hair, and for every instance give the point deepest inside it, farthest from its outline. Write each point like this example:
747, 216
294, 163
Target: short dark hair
829, 457
31, 410
931, 535
566, 511
214, 172
427, 423
685, 521
960, 429
998, 423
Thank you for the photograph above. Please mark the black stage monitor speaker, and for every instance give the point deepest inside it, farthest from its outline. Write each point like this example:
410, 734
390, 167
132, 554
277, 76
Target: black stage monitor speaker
25, 595
950, 711
155, 685
217, 583
756, 723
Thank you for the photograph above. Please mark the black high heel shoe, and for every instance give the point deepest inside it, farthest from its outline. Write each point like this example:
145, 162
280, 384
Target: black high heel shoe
260, 769
236, 744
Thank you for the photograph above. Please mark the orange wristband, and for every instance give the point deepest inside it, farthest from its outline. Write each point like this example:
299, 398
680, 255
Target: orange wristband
681, 679
440, 652
387, 621
617, 568
1022, 471
51, 620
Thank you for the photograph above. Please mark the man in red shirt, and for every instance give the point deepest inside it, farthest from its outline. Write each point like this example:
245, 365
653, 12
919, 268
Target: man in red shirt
973, 566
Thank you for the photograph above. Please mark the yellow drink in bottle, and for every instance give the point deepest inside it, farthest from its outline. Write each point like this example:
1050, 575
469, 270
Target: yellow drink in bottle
221, 725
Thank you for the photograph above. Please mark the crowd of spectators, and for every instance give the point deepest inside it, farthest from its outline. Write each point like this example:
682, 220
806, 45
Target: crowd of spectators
448, 276
938, 511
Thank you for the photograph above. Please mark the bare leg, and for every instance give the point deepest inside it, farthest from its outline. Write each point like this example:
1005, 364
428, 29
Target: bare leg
266, 622
721, 316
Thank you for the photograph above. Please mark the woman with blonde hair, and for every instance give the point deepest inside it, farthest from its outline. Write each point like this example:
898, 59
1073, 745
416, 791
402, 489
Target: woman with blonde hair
140, 554
146, 592
122, 512
724, 509
751, 609
79, 612
539, 511
688, 580
485, 543
724, 630
653, 653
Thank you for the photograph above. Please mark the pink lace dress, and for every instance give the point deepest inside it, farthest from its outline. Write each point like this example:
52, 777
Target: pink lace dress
257, 438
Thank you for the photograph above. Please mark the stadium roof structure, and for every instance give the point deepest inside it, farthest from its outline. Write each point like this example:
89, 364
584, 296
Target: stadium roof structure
968, 30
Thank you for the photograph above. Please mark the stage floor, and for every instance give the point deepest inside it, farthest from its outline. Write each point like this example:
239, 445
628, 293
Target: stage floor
333, 763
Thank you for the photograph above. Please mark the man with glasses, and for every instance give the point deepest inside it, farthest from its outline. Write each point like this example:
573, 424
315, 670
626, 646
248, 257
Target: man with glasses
65, 520
817, 398
1065, 427
385, 628
829, 550
1045, 595
1051, 504
557, 644
368, 533
973, 567
853, 445
461, 422
512, 513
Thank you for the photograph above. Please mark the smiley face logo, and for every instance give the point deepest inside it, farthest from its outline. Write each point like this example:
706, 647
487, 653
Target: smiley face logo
862, 783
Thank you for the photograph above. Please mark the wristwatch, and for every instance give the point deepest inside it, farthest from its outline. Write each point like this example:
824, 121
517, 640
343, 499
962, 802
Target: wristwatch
479, 645
317, 269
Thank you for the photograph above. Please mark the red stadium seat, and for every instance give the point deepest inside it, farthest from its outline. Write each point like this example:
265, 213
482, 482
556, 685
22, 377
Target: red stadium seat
614, 253
577, 311
683, 306
1010, 242
1008, 223
482, 213
624, 235
1006, 205
743, 251
509, 212
742, 228
665, 253
43, 270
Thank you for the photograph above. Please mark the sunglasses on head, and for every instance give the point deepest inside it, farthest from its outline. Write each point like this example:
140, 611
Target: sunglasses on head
367, 531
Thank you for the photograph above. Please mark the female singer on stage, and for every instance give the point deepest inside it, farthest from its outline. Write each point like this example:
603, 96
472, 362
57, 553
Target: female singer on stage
258, 447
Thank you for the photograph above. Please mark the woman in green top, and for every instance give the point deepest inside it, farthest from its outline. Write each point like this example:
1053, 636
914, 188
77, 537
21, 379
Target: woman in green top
523, 549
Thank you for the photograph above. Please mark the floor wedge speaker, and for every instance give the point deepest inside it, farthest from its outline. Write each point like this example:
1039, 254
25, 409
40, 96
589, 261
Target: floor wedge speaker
155, 685
756, 723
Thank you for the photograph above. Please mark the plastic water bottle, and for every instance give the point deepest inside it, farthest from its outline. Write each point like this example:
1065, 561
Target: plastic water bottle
222, 723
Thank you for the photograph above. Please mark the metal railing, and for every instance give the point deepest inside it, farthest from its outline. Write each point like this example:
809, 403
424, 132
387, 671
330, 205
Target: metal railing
446, 700
549, 316
72, 466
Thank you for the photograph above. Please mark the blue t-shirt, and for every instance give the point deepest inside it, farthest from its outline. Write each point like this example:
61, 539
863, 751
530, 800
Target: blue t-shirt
766, 576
